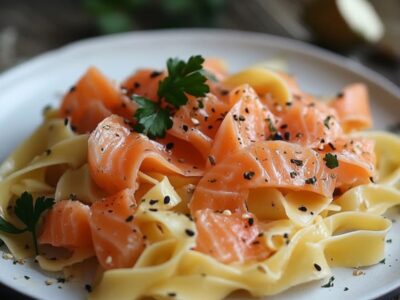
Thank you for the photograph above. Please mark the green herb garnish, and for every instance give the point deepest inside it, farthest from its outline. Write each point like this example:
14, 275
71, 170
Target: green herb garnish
331, 161
29, 214
183, 78
329, 283
326, 121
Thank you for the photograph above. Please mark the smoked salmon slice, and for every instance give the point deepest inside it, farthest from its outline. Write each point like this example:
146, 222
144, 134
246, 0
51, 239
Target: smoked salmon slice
116, 154
67, 226
356, 157
117, 239
308, 122
247, 122
276, 164
92, 99
144, 82
352, 107
229, 237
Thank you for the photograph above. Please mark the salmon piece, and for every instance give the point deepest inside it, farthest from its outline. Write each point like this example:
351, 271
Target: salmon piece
229, 238
308, 122
275, 164
66, 225
217, 67
92, 99
356, 157
144, 83
198, 121
247, 122
352, 107
117, 239
116, 154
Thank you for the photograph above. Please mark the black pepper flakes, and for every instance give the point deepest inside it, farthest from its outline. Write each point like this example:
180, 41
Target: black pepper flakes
297, 162
169, 146
303, 208
129, 218
66, 121
332, 146
189, 232
185, 128
211, 159
27, 277
248, 175
72, 89
171, 295
250, 221
152, 202
293, 174
155, 74
311, 180
317, 267
153, 209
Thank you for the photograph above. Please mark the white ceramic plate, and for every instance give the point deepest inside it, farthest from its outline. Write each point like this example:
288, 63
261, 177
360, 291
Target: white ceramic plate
26, 89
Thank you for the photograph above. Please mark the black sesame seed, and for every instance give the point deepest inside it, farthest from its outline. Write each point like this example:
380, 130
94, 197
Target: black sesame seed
152, 202
248, 175
317, 267
129, 218
311, 180
153, 209
189, 232
303, 208
167, 199
155, 74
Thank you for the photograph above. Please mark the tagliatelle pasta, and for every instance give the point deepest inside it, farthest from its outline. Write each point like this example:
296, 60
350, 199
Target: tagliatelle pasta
255, 185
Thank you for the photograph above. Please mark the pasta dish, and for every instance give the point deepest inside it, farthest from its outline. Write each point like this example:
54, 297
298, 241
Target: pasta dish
192, 182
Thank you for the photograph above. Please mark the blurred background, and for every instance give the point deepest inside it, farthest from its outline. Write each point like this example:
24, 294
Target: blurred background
365, 30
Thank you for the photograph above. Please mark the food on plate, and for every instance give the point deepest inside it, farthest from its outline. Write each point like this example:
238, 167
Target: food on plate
192, 182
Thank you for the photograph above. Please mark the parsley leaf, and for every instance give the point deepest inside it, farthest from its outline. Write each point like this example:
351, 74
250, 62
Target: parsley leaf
183, 78
153, 120
28, 214
331, 161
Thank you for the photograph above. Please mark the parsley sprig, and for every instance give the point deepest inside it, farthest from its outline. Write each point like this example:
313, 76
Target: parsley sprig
183, 78
29, 214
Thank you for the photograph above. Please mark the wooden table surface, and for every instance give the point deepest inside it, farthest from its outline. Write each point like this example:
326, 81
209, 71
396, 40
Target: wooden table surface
31, 27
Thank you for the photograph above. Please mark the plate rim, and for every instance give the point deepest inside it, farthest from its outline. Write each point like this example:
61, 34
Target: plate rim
10, 76
301, 47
